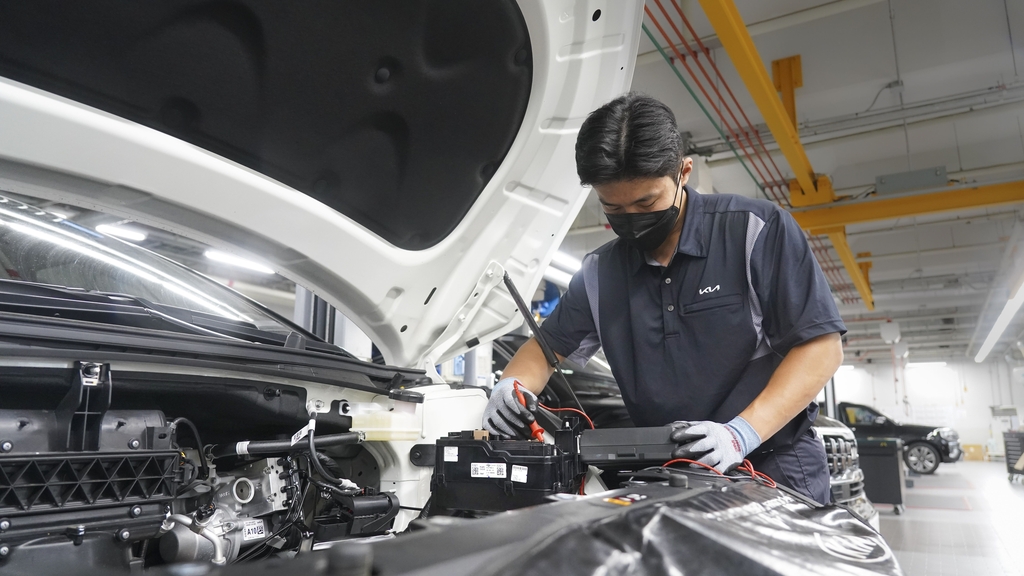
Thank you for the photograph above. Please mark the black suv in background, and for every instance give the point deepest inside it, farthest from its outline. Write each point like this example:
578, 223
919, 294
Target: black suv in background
925, 446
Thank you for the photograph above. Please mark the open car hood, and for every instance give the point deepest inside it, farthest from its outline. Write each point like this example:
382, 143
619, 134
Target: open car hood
394, 158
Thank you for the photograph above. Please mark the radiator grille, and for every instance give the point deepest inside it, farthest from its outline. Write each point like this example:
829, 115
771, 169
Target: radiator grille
841, 454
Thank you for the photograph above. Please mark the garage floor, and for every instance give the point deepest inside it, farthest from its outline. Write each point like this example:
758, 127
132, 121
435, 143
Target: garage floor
966, 519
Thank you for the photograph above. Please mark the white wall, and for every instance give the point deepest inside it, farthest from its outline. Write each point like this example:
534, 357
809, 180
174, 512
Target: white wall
957, 395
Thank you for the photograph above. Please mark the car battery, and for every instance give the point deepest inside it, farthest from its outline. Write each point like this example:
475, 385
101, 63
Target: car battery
475, 474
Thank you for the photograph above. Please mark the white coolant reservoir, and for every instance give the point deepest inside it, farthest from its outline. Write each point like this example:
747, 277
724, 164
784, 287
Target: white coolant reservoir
386, 420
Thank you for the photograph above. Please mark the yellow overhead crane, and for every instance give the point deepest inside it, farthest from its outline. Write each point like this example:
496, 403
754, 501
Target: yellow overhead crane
813, 199
808, 188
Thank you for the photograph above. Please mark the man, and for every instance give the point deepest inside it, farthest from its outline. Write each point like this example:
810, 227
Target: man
711, 310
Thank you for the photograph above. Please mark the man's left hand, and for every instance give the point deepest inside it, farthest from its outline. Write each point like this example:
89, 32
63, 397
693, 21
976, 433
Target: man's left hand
724, 445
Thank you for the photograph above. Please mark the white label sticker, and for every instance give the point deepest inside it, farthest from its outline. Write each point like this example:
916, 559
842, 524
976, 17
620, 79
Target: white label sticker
519, 473
253, 530
303, 431
487, 470
451, 453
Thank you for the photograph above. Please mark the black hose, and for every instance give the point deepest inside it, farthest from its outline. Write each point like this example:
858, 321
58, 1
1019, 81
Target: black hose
314, 458
204, 468
266, 447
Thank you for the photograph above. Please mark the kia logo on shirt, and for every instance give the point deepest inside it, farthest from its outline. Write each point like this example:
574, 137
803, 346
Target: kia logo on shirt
709, 289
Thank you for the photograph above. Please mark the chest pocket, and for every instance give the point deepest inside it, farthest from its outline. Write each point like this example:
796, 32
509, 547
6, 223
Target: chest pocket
707, 305
718, 330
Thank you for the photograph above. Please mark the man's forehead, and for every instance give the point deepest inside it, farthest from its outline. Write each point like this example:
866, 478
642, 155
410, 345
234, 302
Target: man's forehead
631, 191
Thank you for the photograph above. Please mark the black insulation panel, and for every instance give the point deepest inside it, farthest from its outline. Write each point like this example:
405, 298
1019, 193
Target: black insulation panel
393, 112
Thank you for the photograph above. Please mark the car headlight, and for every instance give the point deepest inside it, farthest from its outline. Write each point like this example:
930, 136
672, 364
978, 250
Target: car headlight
947, 434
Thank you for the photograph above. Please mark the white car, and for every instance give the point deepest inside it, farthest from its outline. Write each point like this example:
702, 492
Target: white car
399, 160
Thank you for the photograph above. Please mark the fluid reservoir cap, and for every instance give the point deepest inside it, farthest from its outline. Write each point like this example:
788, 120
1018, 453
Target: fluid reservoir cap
403, 395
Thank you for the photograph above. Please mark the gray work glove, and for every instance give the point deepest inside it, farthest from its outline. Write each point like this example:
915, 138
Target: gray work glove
505, 415
721, 446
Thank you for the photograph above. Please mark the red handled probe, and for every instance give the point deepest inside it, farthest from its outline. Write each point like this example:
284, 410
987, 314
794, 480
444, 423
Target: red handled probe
535, 430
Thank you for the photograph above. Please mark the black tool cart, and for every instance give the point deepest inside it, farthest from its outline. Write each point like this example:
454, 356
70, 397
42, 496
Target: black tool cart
881, 459
1014, 444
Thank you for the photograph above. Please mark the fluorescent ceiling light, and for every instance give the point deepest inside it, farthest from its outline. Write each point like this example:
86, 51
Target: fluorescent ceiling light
845, 368
557, 276
566, 262
60, 215
231, 259
1004, 319
121, 232
926, 364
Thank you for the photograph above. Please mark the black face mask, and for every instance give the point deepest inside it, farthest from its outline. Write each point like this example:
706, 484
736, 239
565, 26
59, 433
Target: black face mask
645, 230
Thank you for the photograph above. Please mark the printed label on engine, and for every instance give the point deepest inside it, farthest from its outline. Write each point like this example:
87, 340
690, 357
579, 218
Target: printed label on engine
520, 473
253, 530
487, 470
451, 453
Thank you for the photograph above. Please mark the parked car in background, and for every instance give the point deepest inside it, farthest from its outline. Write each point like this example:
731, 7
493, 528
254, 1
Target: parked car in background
925, 446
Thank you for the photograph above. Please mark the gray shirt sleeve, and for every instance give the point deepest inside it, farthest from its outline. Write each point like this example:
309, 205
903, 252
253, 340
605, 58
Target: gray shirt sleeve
795, 298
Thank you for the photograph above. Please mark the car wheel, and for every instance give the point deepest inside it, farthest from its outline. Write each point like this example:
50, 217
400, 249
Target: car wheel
922, 458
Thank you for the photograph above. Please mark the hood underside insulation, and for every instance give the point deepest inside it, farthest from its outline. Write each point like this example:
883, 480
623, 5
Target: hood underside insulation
395, 113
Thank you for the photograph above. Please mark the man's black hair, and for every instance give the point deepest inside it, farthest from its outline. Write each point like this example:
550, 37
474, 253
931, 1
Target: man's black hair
631, 137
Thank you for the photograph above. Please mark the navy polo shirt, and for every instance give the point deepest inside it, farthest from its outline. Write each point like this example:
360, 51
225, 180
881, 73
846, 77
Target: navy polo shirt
700, 338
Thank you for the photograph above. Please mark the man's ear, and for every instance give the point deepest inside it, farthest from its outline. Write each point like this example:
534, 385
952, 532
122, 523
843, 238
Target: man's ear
684, 175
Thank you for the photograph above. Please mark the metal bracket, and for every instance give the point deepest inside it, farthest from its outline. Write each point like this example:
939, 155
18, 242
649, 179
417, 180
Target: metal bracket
80, 413
486, 314
822, 194
317, 406
423, 455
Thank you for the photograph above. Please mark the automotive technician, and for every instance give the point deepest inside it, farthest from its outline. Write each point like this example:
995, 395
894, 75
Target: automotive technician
712, 310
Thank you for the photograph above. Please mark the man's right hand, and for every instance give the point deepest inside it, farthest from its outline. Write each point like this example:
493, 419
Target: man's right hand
505, 415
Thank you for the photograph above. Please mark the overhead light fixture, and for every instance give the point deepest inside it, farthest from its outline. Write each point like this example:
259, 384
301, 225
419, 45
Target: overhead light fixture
566, 262
845, 368
926, 364
121, 232
232, 260
1004, 319
555, 275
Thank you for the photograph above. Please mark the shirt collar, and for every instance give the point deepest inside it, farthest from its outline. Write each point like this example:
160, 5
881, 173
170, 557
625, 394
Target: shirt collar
691, 239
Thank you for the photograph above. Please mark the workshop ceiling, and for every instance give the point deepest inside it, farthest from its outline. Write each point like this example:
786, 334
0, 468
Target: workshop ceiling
888, 87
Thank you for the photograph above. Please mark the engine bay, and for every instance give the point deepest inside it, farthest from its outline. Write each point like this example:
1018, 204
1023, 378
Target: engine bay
87, 475
110, 471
